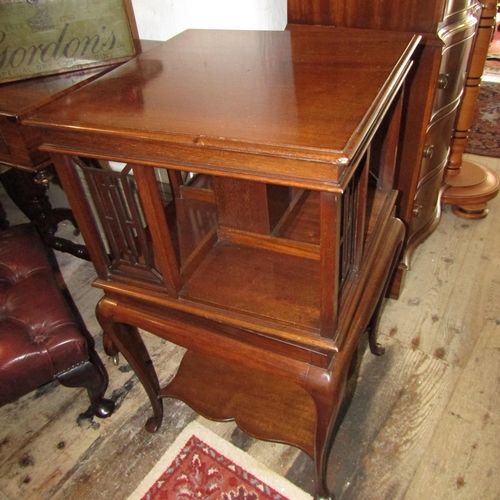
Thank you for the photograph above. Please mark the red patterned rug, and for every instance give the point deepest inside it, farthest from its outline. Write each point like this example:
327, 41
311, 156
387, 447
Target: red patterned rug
202, 466
484, 136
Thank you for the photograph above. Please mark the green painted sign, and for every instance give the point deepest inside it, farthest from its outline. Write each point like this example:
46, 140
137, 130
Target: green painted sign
42, 37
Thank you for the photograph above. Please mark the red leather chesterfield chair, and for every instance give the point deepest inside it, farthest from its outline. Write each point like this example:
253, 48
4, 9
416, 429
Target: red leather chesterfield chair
42, 336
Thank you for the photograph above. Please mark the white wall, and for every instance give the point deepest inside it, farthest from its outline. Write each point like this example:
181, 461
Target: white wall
162, 19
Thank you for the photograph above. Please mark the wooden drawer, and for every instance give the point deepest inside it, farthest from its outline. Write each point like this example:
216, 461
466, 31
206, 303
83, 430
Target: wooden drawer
453, 71
19, 146
425, 207
437, 143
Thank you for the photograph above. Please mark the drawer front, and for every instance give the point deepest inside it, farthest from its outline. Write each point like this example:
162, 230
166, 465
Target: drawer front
12, 147
437, 143
19, 145
426, 201
453, 71
4, 145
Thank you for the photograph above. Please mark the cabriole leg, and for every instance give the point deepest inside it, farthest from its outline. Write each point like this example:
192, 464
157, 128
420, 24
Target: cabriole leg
127, 339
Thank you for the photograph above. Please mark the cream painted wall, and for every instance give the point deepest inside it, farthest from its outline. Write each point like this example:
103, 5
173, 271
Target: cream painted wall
162, 19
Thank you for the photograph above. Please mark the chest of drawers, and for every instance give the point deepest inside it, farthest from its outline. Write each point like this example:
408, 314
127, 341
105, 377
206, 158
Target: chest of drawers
457, 32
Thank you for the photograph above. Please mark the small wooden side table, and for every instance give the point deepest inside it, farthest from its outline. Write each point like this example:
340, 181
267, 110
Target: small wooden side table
27, 170
269, 254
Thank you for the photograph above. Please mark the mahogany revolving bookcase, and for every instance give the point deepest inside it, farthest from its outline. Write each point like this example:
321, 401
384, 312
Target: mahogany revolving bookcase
251, 220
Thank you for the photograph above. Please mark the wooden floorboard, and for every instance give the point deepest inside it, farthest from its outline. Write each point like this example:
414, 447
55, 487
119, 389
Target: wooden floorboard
422, 421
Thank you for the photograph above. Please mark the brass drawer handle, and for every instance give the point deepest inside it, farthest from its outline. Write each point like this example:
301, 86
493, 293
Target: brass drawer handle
443, 80
429, 151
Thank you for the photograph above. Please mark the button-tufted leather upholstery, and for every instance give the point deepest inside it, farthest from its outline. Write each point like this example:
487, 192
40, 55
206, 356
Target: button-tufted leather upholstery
40, 338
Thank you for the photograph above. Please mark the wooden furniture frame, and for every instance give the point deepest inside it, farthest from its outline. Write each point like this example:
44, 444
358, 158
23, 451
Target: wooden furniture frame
270, 262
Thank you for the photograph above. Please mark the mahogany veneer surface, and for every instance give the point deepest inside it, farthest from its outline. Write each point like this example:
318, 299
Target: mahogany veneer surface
24, 96
286, 94
19, 98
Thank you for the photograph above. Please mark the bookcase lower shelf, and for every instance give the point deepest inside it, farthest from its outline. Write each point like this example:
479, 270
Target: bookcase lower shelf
264, 406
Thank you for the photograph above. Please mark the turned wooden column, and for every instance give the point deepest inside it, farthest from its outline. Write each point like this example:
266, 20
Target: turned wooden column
471, 185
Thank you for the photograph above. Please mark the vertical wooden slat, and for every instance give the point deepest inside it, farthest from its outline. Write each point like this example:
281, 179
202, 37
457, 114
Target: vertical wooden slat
104, 207
346, 231
115, 190
361, 195
120, 217
82, 211
175, 180
389, 151
157, 223
330, 216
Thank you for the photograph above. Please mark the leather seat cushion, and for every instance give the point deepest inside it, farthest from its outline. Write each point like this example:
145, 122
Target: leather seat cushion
39, 337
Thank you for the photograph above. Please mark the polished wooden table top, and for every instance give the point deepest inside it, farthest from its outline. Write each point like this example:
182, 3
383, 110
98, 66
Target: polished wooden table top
22, 97
310, 94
